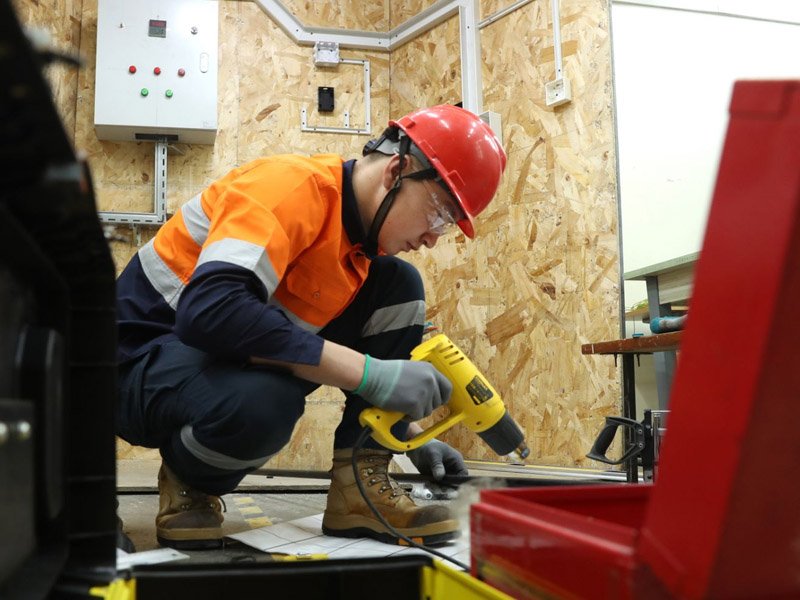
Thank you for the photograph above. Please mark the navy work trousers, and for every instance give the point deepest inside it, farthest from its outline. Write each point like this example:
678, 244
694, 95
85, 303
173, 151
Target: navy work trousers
214, 420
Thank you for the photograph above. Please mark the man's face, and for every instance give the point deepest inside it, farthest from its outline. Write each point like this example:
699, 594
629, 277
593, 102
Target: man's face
421, 213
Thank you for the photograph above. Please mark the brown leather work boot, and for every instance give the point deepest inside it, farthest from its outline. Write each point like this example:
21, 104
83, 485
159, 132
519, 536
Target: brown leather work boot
187, 519
347, 515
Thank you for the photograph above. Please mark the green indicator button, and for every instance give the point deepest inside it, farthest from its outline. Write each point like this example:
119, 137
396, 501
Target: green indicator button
168, 93
145, 91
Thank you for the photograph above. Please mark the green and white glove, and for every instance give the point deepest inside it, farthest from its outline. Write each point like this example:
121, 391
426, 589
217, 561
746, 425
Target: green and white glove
413, 388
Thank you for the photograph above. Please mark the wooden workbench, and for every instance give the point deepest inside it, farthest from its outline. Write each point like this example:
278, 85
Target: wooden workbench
661, 342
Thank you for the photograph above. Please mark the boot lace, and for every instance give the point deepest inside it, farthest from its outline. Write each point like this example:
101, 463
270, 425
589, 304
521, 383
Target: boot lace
197, 500
378, 472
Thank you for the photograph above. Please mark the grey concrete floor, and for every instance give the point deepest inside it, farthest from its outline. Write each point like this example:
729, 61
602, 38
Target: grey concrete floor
258, 501
244, 511
262, 501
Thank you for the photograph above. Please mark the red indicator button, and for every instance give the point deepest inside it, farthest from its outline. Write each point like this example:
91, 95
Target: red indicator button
157, 70
132, 69
181, 72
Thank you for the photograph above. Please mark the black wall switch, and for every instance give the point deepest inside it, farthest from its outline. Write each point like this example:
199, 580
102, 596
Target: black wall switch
325, 99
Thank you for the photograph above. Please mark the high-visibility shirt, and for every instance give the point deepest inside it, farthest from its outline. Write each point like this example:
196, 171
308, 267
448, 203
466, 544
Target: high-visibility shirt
256, 265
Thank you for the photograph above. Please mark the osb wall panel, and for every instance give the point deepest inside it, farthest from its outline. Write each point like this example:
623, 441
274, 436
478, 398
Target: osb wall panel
400, 12
427, 67
344, 14
356, 14
264, 82
490, 7
542, 276
60, 21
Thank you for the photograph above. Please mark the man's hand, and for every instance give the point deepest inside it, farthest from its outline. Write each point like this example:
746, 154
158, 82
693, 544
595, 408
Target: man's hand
413, 388
437, 459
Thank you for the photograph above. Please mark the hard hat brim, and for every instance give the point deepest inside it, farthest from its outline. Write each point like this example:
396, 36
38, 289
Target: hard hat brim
467, 226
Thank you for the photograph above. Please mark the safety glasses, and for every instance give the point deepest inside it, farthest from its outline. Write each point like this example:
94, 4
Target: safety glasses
443, 212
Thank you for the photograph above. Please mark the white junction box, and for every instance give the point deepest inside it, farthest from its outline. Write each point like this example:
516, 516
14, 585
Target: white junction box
557, 92
157, 70
326, 54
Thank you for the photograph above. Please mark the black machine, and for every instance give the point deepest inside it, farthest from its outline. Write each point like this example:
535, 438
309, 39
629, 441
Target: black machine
57, 345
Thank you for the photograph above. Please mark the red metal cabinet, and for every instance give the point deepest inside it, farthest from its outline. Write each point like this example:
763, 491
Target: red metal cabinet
722, 520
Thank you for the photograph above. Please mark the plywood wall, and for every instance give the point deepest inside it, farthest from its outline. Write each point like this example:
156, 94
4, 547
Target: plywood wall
60, 22
343, 14
542, 276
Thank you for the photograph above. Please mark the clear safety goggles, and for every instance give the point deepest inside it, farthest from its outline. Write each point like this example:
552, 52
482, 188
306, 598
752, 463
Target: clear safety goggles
443, 212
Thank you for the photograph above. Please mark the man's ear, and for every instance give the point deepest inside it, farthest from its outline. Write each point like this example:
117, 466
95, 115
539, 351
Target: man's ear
391, 171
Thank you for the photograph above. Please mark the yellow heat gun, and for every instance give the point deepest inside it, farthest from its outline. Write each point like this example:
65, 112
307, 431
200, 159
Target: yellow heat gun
473, 401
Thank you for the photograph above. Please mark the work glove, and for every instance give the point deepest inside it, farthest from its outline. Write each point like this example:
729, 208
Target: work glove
437, 459
413, 388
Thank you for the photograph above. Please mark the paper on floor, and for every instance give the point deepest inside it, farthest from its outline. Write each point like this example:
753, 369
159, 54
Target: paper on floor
148, 557
304, 536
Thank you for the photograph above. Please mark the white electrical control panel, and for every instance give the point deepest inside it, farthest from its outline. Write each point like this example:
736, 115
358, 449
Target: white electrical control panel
157, 70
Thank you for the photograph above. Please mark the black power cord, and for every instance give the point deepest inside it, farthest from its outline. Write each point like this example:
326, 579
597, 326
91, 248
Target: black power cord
365, 433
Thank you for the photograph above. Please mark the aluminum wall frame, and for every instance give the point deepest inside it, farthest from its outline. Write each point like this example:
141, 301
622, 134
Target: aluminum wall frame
437, 13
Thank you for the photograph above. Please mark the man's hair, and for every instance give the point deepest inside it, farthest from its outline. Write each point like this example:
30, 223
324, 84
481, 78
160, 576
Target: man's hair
410, 159
388, 145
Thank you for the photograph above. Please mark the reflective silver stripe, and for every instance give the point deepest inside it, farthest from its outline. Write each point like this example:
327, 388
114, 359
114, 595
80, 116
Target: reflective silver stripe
195, 219
294, 318
394, 317
160, 275
215, 459
244, 254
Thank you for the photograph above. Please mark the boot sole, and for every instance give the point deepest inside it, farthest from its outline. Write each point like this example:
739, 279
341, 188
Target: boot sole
356, 526
190, 544
191, 539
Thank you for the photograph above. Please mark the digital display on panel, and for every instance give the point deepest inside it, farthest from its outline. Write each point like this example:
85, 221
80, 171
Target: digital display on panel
158, 28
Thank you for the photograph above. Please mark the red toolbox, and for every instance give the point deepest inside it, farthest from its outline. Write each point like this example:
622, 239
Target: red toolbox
722, 519
560, 540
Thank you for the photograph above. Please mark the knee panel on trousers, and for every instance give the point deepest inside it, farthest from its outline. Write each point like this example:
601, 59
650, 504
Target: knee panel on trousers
254, 419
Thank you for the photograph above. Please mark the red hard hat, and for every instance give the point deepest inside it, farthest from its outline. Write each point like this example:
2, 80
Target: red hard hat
464, 151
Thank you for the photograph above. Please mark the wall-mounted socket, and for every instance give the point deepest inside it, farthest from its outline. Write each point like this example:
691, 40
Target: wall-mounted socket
325, 99
557, 92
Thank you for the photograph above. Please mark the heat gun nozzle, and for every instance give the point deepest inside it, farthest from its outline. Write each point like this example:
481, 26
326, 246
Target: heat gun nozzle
505, 437
522, 451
